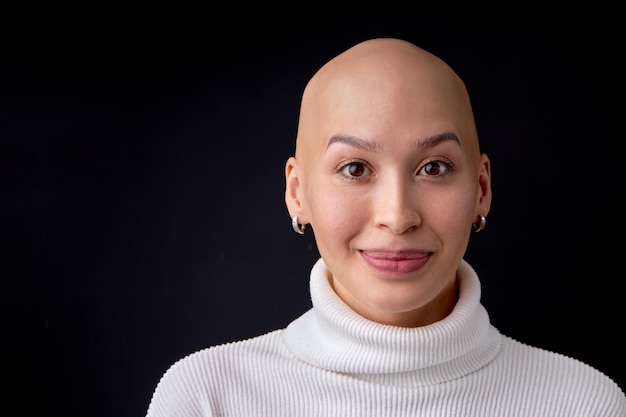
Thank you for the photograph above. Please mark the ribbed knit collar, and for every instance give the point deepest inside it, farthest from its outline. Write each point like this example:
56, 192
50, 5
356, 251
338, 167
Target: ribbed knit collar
334, 337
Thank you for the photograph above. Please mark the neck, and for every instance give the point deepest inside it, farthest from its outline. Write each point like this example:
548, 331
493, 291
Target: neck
435, 310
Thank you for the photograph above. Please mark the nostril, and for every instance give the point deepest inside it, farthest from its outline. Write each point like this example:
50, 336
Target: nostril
402, 224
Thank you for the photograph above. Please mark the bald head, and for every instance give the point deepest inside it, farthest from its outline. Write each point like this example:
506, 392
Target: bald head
384, 81
387, 157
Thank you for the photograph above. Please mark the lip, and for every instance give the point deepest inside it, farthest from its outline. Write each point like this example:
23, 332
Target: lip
395, 262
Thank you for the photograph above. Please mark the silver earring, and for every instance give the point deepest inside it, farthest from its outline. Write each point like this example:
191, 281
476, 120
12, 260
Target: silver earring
478, 226
298, 228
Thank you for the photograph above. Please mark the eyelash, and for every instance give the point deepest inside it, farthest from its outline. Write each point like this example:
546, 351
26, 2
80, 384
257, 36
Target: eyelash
446, 165
341, 169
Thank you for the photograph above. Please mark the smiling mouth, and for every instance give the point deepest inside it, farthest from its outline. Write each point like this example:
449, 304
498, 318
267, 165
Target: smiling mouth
395, 262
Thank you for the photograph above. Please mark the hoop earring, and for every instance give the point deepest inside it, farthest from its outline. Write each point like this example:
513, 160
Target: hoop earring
298, 228
478, 226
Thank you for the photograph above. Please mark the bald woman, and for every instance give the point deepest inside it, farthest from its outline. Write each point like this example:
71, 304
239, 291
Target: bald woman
389, 177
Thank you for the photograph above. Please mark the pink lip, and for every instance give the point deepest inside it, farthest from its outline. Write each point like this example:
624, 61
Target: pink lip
395, 262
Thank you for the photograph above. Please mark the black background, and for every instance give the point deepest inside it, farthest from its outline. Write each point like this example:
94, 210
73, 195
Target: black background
142, 210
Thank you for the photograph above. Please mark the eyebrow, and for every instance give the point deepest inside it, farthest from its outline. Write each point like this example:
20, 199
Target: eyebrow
432, 141
355, 142
367, 145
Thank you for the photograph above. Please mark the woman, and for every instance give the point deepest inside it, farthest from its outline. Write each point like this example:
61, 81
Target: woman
389, 175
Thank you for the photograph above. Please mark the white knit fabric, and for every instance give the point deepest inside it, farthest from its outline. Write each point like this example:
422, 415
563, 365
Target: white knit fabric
332, 362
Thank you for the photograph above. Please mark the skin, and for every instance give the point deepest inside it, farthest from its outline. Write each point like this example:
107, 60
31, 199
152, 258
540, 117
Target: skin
389, 175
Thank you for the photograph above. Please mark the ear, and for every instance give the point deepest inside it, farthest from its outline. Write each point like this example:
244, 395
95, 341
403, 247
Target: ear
484, 186
293, 191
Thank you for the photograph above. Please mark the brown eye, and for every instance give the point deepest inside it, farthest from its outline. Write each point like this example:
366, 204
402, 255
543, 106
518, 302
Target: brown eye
435, 169
432, 168
354, 170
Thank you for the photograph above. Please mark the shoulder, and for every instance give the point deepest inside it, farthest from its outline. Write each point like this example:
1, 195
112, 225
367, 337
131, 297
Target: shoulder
266, 344
191, 381
561, 376
227, 355
548, 362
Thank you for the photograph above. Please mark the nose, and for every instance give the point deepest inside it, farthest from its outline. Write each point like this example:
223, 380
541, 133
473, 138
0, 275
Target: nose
396, 206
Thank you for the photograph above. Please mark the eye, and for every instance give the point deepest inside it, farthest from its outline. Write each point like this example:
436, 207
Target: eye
353, 169
435, 169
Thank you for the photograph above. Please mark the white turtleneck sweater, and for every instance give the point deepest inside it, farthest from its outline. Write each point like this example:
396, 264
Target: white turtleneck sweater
333, 362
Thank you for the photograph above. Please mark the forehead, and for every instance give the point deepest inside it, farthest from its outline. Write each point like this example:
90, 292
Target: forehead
384, 112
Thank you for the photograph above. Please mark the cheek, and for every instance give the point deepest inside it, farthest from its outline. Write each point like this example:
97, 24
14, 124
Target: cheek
335, 212
451, 211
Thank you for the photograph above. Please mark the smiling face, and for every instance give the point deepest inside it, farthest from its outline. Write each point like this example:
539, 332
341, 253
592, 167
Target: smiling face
389, 175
